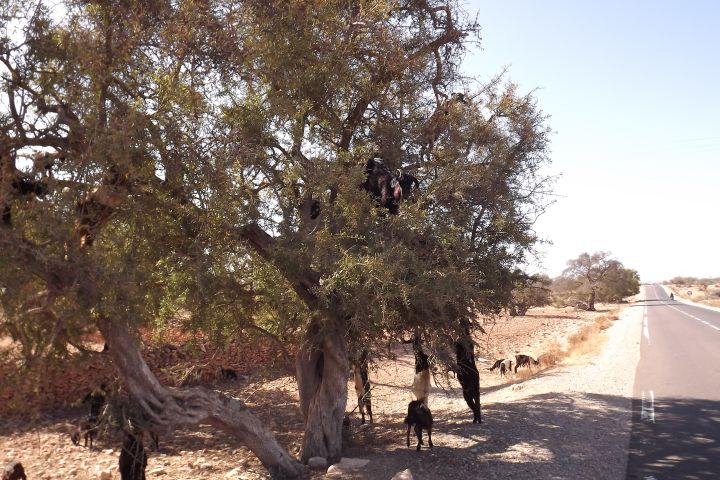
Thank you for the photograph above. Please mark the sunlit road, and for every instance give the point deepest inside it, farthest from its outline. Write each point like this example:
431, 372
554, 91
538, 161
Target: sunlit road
676, 407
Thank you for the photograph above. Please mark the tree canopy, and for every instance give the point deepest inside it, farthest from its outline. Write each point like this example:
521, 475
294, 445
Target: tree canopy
596, 277
208, 156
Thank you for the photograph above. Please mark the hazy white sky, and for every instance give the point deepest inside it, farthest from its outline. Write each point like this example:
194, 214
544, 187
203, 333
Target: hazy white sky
633, 92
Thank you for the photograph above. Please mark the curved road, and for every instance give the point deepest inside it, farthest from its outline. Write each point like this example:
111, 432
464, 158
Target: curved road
676, 407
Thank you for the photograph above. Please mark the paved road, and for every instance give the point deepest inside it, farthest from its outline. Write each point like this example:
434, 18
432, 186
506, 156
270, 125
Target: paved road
676, 406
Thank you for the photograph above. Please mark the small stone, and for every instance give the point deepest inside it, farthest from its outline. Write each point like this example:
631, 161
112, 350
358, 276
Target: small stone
233, 473
317, 462
346, 464
404, 475
105, 476
158, 471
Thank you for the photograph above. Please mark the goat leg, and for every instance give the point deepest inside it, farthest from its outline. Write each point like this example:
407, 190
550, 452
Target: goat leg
418, 432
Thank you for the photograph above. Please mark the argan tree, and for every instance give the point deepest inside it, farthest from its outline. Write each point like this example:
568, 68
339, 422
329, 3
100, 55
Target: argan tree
209, 156
596, 277
530, 291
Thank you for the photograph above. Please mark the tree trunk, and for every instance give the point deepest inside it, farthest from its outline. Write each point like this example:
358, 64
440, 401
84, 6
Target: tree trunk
322, 373
170, 407
591, 302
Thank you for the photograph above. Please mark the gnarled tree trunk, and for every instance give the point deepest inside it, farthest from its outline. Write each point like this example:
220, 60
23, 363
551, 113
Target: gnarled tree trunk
591, 302
322, 372
169, 407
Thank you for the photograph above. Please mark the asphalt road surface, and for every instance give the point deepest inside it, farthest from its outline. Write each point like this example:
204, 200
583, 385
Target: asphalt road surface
676, 406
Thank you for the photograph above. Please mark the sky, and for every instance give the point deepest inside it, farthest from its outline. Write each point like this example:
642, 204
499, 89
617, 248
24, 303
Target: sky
632, 89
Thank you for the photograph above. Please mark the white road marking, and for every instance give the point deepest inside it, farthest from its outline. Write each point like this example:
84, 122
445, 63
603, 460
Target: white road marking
647, 409
652, 406
646, 328
704, 322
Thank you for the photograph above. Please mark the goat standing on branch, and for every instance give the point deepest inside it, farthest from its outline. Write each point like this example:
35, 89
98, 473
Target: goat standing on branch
388, 190
421, 382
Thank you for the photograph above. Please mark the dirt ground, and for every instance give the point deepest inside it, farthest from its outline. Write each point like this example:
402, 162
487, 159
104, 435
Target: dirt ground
494, 449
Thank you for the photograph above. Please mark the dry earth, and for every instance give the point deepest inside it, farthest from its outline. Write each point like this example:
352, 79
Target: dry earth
569, 421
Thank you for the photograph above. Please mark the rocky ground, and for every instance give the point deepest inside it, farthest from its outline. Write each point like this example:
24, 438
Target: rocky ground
568, 421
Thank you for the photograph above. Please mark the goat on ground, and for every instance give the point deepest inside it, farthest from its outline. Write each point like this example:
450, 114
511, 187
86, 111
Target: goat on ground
87, 430
133, 459
419, 415
97, 400
14, 471
362, 386
228, 374
468, 375
503, 365
524, 361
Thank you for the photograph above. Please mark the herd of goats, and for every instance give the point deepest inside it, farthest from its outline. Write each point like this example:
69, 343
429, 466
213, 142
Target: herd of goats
133, 456
388, 190
419, 415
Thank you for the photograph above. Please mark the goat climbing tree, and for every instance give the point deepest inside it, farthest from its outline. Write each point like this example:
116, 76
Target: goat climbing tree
208, 156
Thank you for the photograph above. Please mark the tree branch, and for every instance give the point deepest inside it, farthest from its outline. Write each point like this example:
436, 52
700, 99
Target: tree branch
303, 282
169, 407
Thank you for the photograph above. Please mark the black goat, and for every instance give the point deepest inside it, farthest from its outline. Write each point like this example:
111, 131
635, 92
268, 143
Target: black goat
97, 400
388, 190
419, 415
362, 386
228, 374
467, 373
14, 471
87, 430
133, 459
408, 183
382, 185
525, 361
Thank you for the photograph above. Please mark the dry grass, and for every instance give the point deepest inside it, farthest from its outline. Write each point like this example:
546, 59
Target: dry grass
586, 340
706, 294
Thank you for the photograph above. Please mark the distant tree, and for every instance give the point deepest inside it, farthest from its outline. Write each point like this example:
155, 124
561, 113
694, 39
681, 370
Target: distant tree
596, 277
533, 291
619, 282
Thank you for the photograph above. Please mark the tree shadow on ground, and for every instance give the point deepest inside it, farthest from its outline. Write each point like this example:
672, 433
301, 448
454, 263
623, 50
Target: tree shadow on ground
527, 439
680, 440
559, 436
